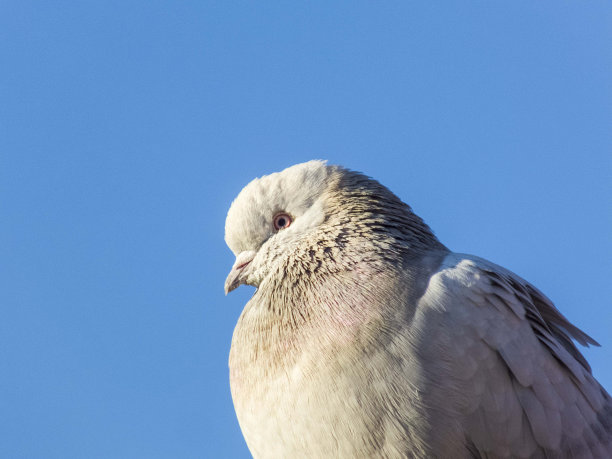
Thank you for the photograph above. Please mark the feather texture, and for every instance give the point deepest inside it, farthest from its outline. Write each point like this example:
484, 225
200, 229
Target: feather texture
366, 337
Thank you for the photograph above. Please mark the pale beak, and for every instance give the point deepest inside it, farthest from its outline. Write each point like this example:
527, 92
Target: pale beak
238, 275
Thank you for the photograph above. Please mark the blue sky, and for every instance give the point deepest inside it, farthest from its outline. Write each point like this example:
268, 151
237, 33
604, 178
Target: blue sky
127, 128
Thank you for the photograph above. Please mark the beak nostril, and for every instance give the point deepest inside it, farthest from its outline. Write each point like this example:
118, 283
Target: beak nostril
242, 265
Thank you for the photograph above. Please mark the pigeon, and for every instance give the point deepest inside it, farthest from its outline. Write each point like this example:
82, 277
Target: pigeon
367, 337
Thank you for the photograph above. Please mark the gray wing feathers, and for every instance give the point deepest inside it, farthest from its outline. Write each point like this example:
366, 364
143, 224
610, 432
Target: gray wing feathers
528, 390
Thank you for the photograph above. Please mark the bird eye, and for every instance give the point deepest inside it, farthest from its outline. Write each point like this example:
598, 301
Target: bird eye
281, 221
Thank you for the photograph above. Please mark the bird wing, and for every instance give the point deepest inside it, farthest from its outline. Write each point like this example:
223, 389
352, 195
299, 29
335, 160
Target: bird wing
506, 361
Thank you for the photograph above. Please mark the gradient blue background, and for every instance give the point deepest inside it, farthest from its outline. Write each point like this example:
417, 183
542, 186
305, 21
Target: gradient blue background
126, 129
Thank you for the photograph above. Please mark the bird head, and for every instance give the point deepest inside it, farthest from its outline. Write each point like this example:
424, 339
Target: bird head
270, 215
313, 207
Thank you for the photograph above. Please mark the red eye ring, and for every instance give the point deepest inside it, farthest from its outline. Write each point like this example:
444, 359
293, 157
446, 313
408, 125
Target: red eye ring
281, 221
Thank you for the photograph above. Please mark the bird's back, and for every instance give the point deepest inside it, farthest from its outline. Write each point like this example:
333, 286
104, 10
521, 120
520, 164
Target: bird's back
502, 361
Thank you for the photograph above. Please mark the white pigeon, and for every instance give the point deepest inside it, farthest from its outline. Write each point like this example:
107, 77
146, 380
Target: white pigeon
366, 337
